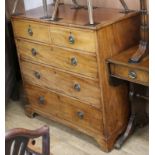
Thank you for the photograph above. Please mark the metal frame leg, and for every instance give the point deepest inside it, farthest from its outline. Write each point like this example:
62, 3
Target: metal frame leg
45, 8
90, 11
15, 6
76, 5
55, 9
46, 16
126, 9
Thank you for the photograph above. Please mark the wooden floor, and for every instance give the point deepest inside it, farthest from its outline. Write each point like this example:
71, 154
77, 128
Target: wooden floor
65, 141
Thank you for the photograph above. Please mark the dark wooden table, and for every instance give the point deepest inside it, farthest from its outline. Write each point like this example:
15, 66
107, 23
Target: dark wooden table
137, 75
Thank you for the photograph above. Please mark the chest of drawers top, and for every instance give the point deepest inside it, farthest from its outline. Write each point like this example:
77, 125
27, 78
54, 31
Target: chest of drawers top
71, 31
77, 18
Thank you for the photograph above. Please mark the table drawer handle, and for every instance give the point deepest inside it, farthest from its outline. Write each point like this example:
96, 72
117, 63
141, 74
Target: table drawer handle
71, 39
77, 87
37, 75
41, 99
132, 75
33, 51
30, 32
74, 61
80, 114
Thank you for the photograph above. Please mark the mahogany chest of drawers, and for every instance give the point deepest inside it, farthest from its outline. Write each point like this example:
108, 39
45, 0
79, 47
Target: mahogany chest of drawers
64, 70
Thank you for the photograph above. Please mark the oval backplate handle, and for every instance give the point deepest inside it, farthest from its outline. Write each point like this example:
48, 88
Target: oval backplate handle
80, 114
132, 75
41, 99
77, 87
74, 61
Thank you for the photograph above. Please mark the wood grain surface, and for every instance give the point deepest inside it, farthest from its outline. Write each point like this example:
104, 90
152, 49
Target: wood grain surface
62, 82
120, 68
39, 32
59, 57
114, 33
116, 38
84, 39
65, 108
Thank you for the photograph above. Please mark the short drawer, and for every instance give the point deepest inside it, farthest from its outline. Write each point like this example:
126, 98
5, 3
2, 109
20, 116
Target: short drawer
130, 74
73, 38
32, 30
78, 113
59, 57
69, 84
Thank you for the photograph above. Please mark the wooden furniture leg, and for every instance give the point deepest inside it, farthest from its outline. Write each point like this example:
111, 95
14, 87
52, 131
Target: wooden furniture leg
133, 121
131, 125
143, 46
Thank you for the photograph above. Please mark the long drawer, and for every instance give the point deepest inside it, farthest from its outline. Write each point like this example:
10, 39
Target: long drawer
59, 57
32, 30
132, 74
73, 38
77, 87
65, 108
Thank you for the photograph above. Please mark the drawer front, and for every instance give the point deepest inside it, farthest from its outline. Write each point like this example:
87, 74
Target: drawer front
80, 88
130, 74
73, 38
65, 108
66, 59
32, 30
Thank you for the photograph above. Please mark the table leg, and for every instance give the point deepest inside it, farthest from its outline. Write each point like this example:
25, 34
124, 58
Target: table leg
131, 124
134, 121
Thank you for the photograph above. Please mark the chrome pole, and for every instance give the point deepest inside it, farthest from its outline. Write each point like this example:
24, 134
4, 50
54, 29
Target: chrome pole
55, 9
15, 6
124, 5
75, 3
90, 11
45, 8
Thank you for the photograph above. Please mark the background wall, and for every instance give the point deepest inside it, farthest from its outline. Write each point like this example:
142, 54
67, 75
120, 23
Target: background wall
133, 4
30, 4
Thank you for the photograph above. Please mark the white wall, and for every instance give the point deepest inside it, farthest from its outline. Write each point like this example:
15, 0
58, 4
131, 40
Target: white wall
30, 4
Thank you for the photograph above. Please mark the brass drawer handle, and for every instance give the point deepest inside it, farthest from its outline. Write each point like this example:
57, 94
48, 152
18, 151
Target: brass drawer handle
80, 114
37, 75
71, 39
74, 61
77, 87
132, 75
33, 51
41, 99
30, 32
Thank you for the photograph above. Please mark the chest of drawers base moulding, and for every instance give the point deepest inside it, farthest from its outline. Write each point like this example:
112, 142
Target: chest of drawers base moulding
78, 59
